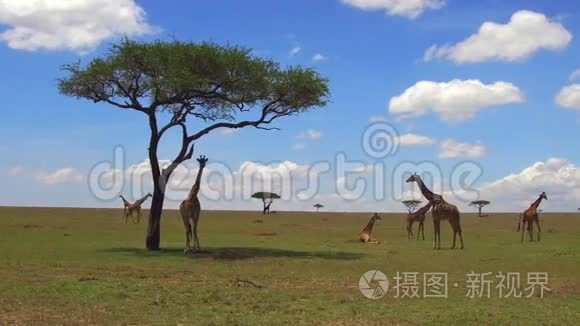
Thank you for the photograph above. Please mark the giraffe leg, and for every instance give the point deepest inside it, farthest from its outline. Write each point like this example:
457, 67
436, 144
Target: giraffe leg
523, 229
195, 238
187, 243
434, 234
460, 236
422, 226
409, 230
439, 235
419, 228
531, 230
538, 225
437, 239
454, 229
138, 216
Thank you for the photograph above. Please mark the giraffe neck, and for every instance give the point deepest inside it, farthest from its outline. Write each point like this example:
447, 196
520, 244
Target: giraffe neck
537, 202
142, 200
424, 190
424, 209
370, 225
195, 189
125, 201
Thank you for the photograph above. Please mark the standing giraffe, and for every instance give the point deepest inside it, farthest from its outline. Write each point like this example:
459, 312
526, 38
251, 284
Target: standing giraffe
129, 208
417, 216
442, 210
190, 210
530, 216
267, 207
366, 234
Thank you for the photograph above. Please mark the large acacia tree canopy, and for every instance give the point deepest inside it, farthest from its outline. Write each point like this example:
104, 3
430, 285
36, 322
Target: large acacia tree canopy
480, 203
205, 80
265, 195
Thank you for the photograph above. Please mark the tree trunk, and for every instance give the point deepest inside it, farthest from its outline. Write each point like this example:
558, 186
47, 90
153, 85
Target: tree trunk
480, 211
160, 181
153, 238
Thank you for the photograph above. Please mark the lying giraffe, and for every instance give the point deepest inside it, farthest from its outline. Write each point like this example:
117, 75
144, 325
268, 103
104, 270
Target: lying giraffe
190, 210
366, 234
417, 216
129, 208
442, 210
530, 216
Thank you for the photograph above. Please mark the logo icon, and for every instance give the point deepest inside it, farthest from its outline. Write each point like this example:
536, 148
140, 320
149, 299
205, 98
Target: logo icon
373, 284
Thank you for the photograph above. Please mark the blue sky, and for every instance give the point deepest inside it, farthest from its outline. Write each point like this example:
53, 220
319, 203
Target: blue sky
370, 55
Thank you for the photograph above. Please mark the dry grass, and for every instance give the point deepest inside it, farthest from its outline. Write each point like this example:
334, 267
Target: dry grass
75, 266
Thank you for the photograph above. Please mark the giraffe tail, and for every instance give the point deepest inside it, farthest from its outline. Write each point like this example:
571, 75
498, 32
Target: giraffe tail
519, 222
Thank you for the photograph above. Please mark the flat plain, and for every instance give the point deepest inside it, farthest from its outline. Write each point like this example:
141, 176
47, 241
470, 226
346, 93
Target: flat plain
86, 266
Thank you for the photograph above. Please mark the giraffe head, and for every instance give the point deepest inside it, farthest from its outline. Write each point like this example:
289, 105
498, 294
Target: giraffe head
544, 196
202, 160
376, 217
413, 178
149, 195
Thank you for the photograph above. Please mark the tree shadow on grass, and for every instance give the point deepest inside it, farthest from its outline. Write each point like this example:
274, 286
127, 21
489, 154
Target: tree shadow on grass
240, 253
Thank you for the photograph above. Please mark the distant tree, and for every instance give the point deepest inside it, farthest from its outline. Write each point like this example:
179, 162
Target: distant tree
411, 204
479, 204
318, 207
267, 199
174, 83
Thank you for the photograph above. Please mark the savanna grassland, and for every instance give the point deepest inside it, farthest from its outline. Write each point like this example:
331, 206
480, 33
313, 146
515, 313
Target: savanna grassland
86, 266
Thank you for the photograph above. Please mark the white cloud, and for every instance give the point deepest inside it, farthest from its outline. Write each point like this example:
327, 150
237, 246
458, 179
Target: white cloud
65, 175
78, 25
295, 50
453, 149
414, 140
526, 33
311, 134
575, 75
569, 97
17, 170
558, 177
319, 57
298, 146
228, 131
454, 101
60, 176
377, 118
405, 8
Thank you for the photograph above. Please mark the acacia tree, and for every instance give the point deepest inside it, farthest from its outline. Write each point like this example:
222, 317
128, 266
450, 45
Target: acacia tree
171, 83
318, 206
267, 199
411, 204
479, 204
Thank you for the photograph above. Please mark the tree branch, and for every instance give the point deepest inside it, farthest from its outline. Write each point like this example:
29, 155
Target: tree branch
255, 123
